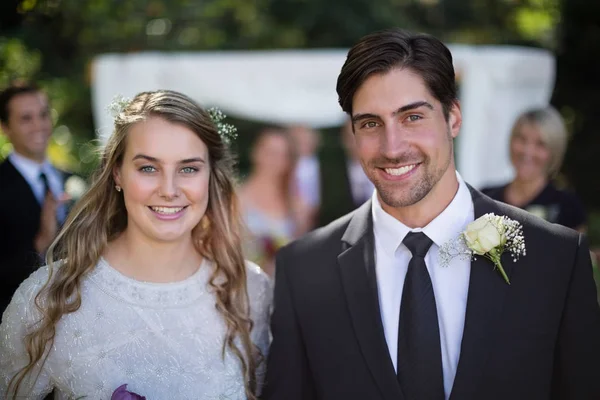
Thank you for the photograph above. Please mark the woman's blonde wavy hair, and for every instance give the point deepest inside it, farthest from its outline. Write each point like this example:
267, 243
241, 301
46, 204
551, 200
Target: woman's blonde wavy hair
100, 216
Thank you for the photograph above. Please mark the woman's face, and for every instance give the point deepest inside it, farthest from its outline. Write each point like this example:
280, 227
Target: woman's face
273, 155
164, 177
529, 153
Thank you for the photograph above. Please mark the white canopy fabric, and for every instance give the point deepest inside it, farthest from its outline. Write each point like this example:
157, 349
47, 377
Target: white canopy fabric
298, 87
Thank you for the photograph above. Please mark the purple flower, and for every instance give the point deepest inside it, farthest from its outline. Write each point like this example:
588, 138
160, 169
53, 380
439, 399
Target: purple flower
121, 393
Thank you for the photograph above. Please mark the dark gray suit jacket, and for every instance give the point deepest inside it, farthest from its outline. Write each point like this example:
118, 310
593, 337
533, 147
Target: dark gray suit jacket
538, 338
19, 223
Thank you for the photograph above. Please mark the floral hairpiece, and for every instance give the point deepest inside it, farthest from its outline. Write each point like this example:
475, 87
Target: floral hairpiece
227, 132
118, 105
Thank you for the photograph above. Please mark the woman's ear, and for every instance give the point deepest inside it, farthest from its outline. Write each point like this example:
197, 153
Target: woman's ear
116, 173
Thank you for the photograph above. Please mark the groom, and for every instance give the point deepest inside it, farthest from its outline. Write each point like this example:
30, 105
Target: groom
365, 309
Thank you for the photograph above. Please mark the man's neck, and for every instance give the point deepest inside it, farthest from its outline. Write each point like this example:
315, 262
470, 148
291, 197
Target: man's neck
37, 160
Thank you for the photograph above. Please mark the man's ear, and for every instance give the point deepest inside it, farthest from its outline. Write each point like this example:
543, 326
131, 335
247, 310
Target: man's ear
455, 118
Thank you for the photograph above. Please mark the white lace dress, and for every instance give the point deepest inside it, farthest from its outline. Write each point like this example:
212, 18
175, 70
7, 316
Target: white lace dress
163, 340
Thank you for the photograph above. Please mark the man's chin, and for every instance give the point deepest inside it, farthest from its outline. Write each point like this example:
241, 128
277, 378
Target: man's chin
397, 196
396, 201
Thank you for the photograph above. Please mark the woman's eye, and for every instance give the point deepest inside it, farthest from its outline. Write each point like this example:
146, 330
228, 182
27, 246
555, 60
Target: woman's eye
189, 170
147, 168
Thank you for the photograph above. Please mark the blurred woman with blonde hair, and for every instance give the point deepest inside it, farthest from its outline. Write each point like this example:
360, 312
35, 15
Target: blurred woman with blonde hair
537, 146
146, 292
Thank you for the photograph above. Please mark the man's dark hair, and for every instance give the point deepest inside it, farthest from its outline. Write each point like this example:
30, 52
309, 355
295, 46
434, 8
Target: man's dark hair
15, 89
382, 51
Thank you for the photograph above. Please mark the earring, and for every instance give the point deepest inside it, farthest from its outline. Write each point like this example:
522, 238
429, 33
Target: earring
118, 188
205, 223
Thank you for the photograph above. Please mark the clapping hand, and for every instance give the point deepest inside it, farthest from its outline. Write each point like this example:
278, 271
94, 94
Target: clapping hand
48, 223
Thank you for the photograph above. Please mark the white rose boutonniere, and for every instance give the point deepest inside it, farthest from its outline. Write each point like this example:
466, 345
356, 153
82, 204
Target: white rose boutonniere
488, 236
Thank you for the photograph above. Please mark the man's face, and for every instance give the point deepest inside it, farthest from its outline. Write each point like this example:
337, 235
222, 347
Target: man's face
403, 140
29, 125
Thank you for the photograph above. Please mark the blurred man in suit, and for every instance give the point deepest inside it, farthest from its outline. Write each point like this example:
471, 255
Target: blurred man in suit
31, 189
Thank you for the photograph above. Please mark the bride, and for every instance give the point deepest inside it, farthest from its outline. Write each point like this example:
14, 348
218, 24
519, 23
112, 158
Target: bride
146, 286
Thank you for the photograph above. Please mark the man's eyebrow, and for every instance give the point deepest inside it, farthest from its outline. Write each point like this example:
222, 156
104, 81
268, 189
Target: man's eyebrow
412, 106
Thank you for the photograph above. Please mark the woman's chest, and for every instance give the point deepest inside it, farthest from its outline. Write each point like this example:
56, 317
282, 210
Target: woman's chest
160, 354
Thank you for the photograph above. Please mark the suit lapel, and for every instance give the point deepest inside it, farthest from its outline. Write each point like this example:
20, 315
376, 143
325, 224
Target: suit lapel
357, 269
21, 187
487, 291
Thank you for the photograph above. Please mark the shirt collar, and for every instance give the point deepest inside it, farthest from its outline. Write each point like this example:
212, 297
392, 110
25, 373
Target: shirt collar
390, 232
28, 168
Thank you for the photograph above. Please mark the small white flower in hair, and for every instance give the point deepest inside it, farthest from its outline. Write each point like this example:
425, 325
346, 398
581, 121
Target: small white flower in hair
118, 105
227, 132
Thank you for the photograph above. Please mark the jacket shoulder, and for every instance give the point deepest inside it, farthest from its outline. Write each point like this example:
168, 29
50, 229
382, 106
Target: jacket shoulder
321, 236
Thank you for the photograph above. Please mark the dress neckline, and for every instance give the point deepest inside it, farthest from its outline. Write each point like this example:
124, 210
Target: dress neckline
151, 294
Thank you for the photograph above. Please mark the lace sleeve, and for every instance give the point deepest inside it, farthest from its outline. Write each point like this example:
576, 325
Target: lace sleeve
260, 292
17, 320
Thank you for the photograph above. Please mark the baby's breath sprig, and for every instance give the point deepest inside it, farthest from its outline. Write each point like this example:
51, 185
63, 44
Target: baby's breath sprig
118, 105
227, 131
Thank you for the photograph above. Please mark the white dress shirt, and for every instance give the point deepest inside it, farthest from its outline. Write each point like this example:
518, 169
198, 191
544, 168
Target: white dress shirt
450, 283
31, 170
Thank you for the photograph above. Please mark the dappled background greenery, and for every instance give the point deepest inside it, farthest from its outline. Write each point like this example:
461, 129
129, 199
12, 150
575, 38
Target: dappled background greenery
54, 42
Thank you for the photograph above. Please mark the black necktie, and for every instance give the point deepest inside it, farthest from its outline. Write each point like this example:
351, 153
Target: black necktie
419, 352
44, 180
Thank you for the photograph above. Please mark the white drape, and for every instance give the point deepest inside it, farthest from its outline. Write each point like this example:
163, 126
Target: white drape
298, 86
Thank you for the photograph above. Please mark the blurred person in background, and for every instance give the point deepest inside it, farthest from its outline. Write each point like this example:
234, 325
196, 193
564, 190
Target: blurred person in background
31, 188
344, 187
537, 146
272, 210
146, 291
308, 168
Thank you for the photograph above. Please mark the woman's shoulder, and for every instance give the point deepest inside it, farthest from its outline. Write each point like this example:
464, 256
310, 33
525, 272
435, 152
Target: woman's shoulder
22, 309
256, 276
564, 194
31, 286
259, 284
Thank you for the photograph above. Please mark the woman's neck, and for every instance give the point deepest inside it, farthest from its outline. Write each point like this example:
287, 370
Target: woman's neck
151, 261
520, 192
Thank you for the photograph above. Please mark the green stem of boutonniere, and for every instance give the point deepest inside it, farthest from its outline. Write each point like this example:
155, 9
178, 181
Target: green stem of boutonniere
498, 265
494, 256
